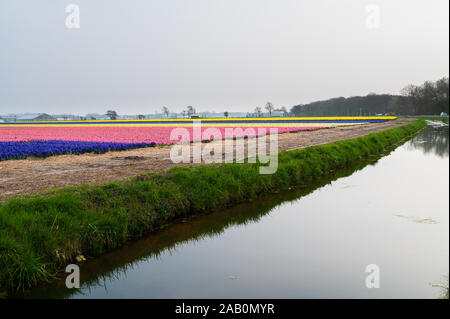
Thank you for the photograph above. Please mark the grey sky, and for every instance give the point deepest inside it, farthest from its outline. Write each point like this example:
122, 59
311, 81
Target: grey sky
136, 56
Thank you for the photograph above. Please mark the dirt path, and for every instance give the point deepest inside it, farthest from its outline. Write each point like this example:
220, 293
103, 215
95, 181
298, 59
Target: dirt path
37, 174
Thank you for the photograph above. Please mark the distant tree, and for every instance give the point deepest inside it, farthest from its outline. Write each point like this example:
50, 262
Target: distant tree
408, 90
412, 92
225, 114
258, 111
284, 110
141, 117
428, 98
184, 113
190, 110
269, 108
112, 114
442, 93
165, 110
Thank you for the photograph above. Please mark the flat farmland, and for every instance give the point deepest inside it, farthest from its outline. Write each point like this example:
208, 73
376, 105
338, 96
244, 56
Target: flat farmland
34, 174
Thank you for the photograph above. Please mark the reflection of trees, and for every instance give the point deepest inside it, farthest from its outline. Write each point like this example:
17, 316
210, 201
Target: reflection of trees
432, 140
115, 264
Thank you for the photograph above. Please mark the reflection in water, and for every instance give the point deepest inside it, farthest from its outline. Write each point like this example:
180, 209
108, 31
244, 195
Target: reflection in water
115, 264
433, 139
324, 230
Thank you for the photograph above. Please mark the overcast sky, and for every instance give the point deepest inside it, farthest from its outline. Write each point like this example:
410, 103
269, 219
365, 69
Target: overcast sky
136, 56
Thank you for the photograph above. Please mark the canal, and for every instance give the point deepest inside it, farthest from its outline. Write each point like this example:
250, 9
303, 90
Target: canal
311, 243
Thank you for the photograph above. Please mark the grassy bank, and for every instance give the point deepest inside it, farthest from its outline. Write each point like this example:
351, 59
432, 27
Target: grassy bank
433, 118
41, 234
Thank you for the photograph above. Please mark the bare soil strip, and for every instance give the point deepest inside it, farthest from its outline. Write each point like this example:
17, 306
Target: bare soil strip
19, 177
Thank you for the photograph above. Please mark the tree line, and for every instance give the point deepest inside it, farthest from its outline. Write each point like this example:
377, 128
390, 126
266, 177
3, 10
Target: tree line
430, 98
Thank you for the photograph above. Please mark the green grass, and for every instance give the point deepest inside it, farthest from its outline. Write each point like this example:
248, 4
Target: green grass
41, 234
433, 118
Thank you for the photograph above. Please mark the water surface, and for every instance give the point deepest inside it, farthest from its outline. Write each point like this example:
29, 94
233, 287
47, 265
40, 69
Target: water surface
310, 243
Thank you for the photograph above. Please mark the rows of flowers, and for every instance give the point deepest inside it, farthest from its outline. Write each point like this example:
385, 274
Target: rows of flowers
110, 134
22, 150
23, 142
24, 139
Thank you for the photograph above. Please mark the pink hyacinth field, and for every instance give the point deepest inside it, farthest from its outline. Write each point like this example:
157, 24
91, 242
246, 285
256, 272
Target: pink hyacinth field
114, 134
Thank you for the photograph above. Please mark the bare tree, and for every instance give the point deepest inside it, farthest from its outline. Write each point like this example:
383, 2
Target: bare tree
269, 108
442, 89
165, 110
112, 114
284, 110
184, 113
258, 111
